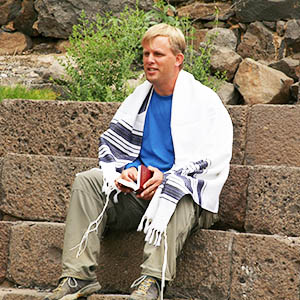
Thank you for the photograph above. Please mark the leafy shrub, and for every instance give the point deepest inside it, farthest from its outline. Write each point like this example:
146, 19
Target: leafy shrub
105, 54
102, 54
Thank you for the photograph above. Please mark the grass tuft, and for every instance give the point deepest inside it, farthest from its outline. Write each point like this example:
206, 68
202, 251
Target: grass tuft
22, 92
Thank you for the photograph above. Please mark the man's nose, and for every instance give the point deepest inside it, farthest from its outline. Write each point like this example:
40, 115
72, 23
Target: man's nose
150, 58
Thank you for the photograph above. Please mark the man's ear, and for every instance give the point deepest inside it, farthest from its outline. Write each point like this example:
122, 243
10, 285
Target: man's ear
179, 59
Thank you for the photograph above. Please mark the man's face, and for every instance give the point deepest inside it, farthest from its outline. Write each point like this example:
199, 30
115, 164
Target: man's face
161, 66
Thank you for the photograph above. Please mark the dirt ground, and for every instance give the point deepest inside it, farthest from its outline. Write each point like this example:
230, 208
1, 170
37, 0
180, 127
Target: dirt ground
32, 68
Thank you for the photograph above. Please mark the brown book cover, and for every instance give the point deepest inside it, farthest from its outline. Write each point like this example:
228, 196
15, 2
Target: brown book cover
144, 174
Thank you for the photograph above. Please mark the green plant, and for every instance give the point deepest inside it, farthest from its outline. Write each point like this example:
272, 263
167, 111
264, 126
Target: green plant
22, 92
103, 55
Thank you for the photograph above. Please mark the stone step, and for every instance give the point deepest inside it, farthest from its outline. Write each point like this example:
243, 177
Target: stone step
263, 134
31, 294
261, 199
213, 265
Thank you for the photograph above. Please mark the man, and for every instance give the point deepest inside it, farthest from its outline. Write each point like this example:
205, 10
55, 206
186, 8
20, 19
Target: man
181, 131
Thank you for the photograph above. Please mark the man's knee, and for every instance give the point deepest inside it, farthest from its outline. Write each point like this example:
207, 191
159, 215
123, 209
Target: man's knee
86, 179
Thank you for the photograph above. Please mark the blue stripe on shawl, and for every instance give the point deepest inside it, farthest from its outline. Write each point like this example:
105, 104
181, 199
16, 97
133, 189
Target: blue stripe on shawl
118, 131
199, 189
170, 185
116, 153
126, 133
173, 192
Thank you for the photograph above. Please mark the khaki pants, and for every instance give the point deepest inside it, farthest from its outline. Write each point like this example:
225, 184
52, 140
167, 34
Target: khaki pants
86, 204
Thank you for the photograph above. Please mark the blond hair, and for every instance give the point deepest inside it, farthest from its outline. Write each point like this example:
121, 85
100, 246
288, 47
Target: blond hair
175, 35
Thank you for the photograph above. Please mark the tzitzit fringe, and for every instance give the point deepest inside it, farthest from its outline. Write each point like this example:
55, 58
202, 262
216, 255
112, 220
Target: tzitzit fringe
164, 268
93, 226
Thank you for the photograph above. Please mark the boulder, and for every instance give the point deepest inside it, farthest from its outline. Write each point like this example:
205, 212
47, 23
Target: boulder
289, 66
55, 19
225, 60
206, 11
295, 91
14, 43
228, 94
292, 36
222, 37
261, 84
248, 11
26, 18
270, 25
280, 27
258, 43
9, 9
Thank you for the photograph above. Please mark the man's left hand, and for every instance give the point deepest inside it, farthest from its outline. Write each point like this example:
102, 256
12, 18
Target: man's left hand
152, 184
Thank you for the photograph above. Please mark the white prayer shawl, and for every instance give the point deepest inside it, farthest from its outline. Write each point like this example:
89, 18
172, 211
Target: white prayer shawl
202, 138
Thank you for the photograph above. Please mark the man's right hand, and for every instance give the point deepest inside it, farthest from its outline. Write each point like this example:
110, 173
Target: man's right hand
129, 174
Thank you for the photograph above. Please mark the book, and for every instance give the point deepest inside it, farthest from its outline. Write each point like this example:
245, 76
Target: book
144, 174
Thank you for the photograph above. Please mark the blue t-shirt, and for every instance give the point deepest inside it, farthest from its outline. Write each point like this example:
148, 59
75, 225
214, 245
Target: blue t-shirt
157, 144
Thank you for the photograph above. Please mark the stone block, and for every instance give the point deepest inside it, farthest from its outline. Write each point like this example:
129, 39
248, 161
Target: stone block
265, 267
273, 135
119, 262
273, 200
35, 254
233, 199
203, 268
21, 294
205, 258
35, 187
239, 117
73, 128
108, 297
53, 127
5, 228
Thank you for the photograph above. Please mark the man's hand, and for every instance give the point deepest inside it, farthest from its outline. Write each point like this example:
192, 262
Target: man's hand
129, 174
152, 184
